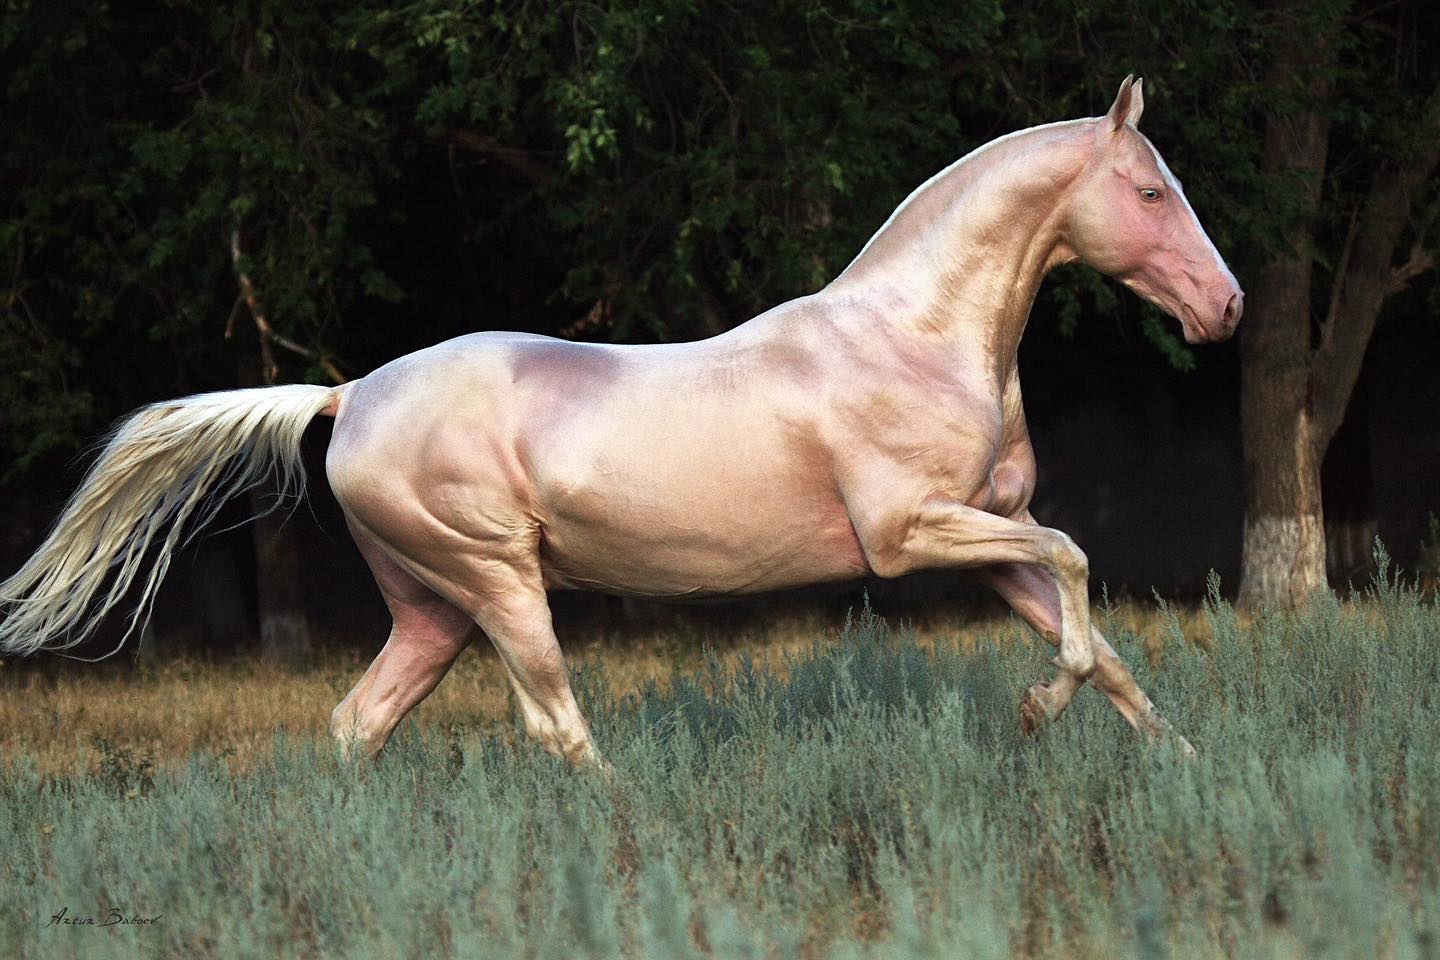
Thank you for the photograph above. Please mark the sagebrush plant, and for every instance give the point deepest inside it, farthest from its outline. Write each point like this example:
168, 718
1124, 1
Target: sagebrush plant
872, 798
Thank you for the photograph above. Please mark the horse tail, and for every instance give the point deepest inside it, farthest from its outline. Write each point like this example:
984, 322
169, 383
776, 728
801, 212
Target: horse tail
168, 463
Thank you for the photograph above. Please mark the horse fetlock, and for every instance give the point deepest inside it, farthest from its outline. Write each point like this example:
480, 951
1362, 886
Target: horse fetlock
561, 740
1078, 660
573, 744
577, 753
584, 756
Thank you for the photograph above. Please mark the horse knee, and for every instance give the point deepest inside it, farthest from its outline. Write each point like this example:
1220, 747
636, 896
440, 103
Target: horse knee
1067, 559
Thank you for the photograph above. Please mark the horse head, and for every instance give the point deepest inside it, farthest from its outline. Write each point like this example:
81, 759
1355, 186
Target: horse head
1127, 217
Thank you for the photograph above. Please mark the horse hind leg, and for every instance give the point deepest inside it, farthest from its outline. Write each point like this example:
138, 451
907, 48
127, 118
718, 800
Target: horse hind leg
435, 620
427, 634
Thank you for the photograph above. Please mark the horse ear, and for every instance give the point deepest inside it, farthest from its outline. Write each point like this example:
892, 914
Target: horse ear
1137, 103
1129, 104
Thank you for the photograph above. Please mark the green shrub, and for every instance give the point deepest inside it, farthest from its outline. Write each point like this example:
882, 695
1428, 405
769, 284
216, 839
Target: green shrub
875, 800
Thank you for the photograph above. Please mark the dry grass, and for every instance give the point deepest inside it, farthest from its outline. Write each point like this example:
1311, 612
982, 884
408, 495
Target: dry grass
65, 717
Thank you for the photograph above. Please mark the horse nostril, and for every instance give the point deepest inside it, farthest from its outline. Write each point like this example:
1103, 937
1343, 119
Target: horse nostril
1233, 309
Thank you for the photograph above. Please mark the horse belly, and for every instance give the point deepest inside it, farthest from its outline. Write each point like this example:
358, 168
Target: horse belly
690, 544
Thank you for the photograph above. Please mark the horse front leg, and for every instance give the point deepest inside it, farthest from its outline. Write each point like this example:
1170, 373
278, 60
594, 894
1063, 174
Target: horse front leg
517, 621
1031, 594
946, 533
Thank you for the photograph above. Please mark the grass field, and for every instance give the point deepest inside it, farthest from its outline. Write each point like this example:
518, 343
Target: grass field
782, 795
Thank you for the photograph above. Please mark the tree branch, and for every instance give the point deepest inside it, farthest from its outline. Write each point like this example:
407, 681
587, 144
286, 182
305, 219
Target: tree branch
520, 161
268, 334
1369, 275
1342, 268
1421, 259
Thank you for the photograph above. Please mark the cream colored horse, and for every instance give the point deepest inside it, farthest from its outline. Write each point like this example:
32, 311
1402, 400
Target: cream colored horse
873, 427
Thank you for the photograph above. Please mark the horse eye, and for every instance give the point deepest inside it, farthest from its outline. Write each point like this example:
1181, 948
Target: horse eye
1149, 194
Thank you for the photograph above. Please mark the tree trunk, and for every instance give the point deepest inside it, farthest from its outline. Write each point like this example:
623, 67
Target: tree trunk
279, 601
1283, 548
1293, 397
284, 631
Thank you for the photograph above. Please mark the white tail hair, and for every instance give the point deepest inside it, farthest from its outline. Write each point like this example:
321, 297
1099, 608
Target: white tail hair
158, 468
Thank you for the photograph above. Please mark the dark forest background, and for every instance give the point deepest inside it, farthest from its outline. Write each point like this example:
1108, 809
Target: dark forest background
200, 196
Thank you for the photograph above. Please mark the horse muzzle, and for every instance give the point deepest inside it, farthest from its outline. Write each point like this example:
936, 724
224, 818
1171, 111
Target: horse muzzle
1220, 327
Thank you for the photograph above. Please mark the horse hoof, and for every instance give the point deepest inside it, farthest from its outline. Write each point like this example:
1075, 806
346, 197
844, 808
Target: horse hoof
1034, 710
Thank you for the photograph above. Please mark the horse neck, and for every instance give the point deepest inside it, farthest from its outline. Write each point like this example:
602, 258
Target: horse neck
961, 260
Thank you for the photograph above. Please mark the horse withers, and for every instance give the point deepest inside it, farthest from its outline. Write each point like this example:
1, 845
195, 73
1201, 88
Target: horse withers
873, 427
